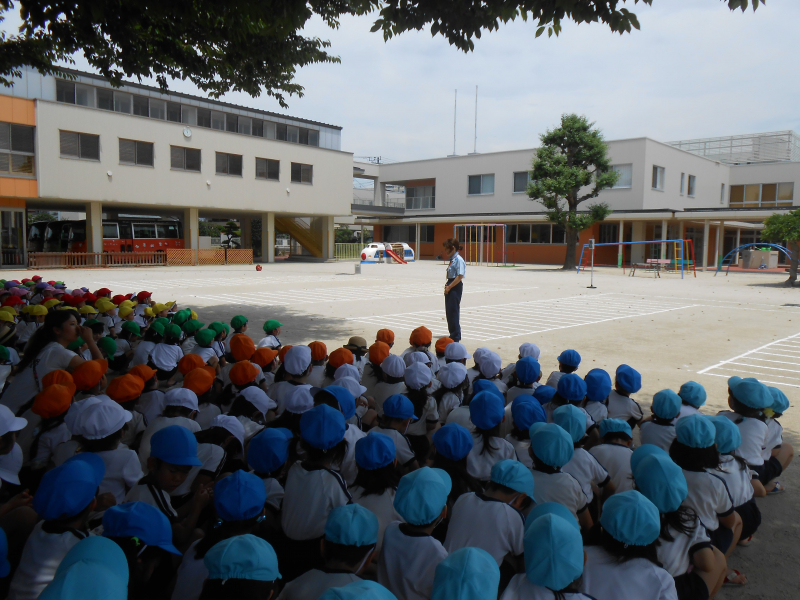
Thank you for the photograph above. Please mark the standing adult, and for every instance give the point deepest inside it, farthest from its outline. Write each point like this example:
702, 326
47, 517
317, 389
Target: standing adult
454, 288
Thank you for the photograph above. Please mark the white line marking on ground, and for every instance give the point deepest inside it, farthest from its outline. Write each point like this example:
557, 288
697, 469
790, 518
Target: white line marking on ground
763, 372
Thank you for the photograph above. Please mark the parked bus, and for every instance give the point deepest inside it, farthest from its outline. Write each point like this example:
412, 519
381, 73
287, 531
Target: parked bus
121, 235
56, 236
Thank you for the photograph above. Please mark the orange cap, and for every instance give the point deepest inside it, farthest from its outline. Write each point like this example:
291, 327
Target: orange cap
200, 380
57, 376
339, 357
243, 372
190, 362
144, 372
242, 346
88, 374
421, 336
282, 352
125, 388
377, 352
319, 351
263, 356
385, 335
441, 344
53, 400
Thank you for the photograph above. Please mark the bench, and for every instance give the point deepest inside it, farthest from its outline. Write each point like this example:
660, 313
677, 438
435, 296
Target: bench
654, 265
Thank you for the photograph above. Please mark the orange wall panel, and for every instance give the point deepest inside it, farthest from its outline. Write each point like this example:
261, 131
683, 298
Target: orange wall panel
18, 187
17, 110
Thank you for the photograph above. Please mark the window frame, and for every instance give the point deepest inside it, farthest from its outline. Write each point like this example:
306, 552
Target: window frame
80, 145
691, 186
136, 162
683, 183
172, 167
228, 156
481, 193
11, 152
300, 181
616, 169
658, 176
267, 162
514, 182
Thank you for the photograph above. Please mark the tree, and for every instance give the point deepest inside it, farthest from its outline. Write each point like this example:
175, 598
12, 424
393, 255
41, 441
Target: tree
780, 228
209, 229
255, 46
573, 156
34, 216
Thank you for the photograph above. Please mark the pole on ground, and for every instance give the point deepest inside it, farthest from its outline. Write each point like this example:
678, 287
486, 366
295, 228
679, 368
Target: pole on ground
591, 285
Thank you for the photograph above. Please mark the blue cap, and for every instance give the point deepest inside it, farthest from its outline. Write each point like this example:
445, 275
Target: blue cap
322, 427
551, 508
94, 569
5, 566
534, 428
643, 452
486, 411
240, 496
598, 385
513, 474
525, 411
544, 393
375, 451
94, 461
66, 490
552, 445
485, 385
662, 482
269, 449
615, 426
347, 402
352, 525
666, 404
359, 590
528, 369
629, 379
750, 392
631, 518
453, 441
571, 358
696, 431
242, 557
466, 574
139, 520
728, 436
553, 552
693, 394
422, 494
572, 419
175, 445
398, 406
780, 403
571, 387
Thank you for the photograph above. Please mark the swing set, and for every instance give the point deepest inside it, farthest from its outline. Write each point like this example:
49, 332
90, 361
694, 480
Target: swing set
482, 243
682, 260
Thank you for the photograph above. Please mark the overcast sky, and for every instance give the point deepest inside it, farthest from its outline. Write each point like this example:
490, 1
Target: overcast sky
693, 70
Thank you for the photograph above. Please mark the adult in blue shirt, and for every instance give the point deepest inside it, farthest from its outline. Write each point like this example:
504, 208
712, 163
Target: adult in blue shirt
454, 288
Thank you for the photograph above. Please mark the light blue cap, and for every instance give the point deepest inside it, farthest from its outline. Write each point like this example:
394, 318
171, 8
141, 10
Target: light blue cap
513, 474
422, 494
598, 385
696, 431
571, 387
466, 574
750, 392
347, 402
375, 451
534, 428
242, 557
643, 452
666, 404
5, 566
615, 426
94, 569
525, 411
528, 369
352, 525
239, 496
728, 436
453, 441
662, 482
552, 445
175, 445
572, 419
629, 379
139, 520
553, 552
780, 403
693, 394
544, 393
398, 406
322, 427
631, 518
484, 385
571, 358
359, 590
486, 411
269, 449
66, 490
551, 508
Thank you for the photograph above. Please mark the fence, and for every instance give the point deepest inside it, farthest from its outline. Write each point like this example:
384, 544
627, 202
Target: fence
170, 258
213, 256
347, 251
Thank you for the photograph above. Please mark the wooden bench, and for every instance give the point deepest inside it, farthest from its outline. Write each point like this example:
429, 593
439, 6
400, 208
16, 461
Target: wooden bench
654, 265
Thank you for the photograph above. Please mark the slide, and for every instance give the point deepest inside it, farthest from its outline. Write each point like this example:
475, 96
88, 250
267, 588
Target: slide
395, 256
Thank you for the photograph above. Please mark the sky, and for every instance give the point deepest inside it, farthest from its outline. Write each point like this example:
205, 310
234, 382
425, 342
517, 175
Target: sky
695, 69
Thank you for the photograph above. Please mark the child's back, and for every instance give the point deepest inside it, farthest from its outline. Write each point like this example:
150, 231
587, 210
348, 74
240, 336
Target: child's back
408, 562
604, 576
588, 471
658, 434
754, 434
615, 459
480, 461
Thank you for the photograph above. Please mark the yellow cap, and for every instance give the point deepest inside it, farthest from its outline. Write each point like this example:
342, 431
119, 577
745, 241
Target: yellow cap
87, 310
194, 314
37, 310
127, 303
4, 316
124, 311
51, 303
170, 304
159, 308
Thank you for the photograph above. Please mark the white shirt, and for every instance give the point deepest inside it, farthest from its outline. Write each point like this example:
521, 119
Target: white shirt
280, 391
317, 376
349, 468
686, 410
519, 391
461, 417
188, 344
206, 413
213, 459
123, 346
383, 390
313, 584
597, 410
587, 470
123, 472
26, 329
480, 465
559, 487
309, 497
275, 492
158, 424
403, 451
135, 426
150, 405
205, 353
737, 479
485, 523
774, 438
191, 576
166, 356
708, 496
605, 578
449, 402
430, 414
149, 494
552, 379
658, 435
675, 555
408, 563
623, 408
48, 442
616, 460
269, 341
381, 505
521, 447
25, 385
520, 588
754, 434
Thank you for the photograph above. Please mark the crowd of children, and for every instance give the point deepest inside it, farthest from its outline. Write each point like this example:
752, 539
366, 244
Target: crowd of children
146, 454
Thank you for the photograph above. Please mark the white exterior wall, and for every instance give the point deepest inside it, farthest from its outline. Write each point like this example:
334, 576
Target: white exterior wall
767, 173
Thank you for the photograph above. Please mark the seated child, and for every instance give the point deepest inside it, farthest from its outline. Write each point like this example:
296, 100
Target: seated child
398, 412
126, 390
266, 360
693, 396
205, 338
319, 354
51, 404
620, 404
94, 568
467, 574
525, 350
660, 429
272, 329
456, 352
189, 328
267, 455
453, 377
776, 447
487, 413
180, 408
440, 346
614, 454
568, 362
297, 366
528, 373
152, 336
525, 411
420, 341
490, 370
418, 380
358, 346
201, 382
392, 369
244, 566
598, 387
166, 354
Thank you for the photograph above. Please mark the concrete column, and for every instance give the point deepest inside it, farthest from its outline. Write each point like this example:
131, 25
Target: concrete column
738, 243
620, 255
378, 192
328, 238
706, 228
664, 237
638, 231
191, 228
268, 237
94, 227
720, 241
246, 227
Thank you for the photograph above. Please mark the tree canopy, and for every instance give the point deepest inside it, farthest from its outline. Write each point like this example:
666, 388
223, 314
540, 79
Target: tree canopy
780, 228
256, 46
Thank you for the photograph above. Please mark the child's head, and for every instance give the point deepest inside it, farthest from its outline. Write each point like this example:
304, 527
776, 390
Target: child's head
173, 453
421, 337
201, 382
347, 371
131, 330
378, 353
551, 447
554, 554
571, 388
453, 375
693, 394
253, 403
441, 345
357, 345
780, 403
190, 327
67, 493
694, 448
265, 358
418, 376
108, 346
662, 481
322, 430
525, 411
467, 574
453, 442
319, 353
398, 412
9, 426
220, 329
569, 361
666, 405
628, 380
205, 337
125, 388
490, 365
180, 402
598, 385
273, 327
146, 374
393, 368
269, 450
421, 497
748, 396
630, 526
100, 424
511, 480
239, 323
572, 420
172, 334
297, 362
544, 394
727, 435
95, 567
243, 373
53, 401
243, 566
487, 411
375, 457
528, 370
386, 336
351, 536
616, 431
456, 352
239, 497
341, 396
126, 313
189, 363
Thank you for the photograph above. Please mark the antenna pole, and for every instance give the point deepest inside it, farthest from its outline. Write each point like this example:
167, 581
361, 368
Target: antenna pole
455, 105
475, 147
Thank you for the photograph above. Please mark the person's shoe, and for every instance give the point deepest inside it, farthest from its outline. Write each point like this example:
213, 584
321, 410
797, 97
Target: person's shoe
777, 489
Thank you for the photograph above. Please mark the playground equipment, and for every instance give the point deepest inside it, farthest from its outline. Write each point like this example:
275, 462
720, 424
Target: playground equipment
682, 257
479, 241
735, 251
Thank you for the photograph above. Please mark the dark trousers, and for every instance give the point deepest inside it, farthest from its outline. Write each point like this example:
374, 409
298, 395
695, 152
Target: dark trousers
452, 308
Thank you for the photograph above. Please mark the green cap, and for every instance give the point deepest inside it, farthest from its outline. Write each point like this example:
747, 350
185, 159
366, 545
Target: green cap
172, 331
218, 327
238, 321
28, 283
107, 345
76, 344
3, 353
204, 337
132, 327
158, 328
163, 320
192, 325
180, 317
89, 322
272, 325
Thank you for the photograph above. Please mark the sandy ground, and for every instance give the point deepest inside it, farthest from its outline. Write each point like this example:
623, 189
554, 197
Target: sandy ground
669, 329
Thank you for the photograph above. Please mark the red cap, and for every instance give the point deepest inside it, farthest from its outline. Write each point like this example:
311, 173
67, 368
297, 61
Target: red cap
118, 298
12, 301
102, 292
89, 297
36, 278
141, 296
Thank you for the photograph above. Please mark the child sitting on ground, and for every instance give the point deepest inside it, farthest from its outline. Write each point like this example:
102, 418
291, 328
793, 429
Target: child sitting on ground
693, 396
267, 455
568, 362
453, 377
660, 429
525, 411
487, 413
528, 372
614, 453
598, 387
620, 404
398, 412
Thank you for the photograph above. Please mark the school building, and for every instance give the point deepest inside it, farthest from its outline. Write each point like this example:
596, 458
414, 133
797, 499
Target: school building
715, 192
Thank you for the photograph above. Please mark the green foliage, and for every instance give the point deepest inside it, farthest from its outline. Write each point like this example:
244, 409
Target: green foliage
345, 236
209, 229
33, 217
779, 228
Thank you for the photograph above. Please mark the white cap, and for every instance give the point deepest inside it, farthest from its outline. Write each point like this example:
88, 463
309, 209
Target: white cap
10, 464
490, 364
181, 397
417, 376
351, 385
417, 357
101, 419
456, 351
528, 349
76, 408
8, 422
452, 374
479, 354
231, 425
300, 401
297, 360
393, 366
258, 398
346, 370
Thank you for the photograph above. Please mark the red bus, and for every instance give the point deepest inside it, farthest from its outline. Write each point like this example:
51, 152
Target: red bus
134, 235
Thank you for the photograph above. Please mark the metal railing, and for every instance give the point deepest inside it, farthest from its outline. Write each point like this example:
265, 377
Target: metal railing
347, 251
79, 260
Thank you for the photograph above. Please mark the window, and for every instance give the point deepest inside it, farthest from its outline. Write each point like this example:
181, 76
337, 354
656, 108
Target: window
189, 115
521, 179
302, 173
785, 194
232, 123
683, 183
229, 164
167, 231
110, 231
203, 117
245, 125
144, 230
540, 234
65, 91
122, 103
559, 235
481, 184
692, 185
173, 112
80, 145
268, 169
217, 120
304, 136
722, 194
105, 99
625, 176
84, 95
523, 234
426, 233
16, 149
184, 159
421, 197
270, 130
658, 178
766, 194
609, 233
258, 128
280, 131
141, 106
158, 109
292, 134
737, 195
132, 152
313, 138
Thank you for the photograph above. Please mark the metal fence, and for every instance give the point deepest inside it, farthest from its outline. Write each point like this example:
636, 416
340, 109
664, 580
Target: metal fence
348, 251
170, 257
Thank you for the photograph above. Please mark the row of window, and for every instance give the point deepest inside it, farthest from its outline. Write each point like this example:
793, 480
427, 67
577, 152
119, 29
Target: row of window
143, 106
408, 233
421, 197
535, 233
764, 194
16, 149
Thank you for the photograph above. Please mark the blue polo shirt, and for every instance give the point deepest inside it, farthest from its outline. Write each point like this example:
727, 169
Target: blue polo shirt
456, 267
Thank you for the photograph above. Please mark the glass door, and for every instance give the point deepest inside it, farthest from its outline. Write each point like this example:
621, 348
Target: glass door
12, 237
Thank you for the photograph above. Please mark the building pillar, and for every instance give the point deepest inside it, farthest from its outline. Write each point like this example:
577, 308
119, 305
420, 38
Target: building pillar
191, 228
246, 229
620, 253
706, 227
416, 249
268, 237
94, 227
328, 238
738, 243
664, 227
720, 241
